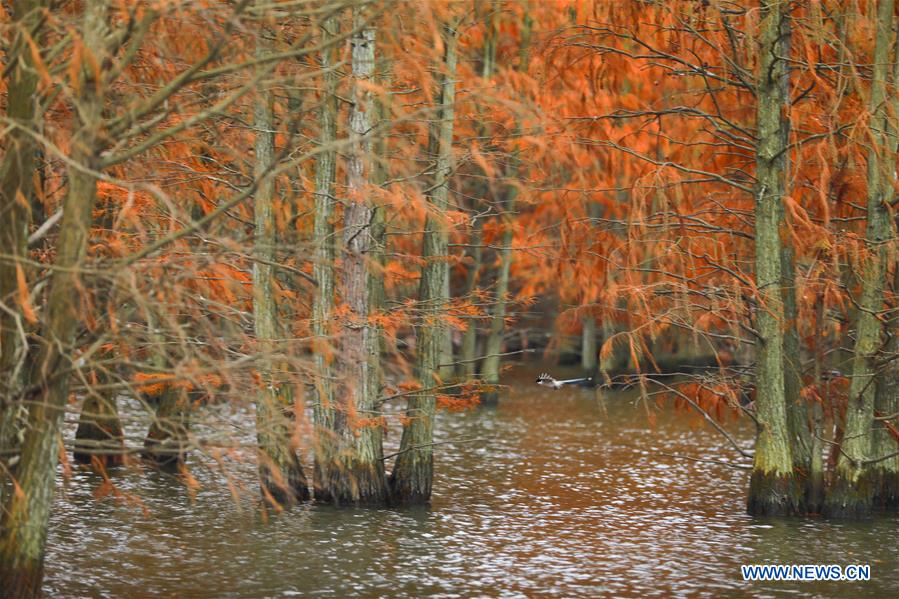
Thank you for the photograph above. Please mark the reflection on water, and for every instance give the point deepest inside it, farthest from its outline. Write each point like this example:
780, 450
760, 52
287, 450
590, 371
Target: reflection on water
552, 494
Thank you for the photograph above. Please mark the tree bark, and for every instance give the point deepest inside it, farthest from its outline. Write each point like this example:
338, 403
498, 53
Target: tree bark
323, 266
852, 490
886, 399
23, 533
356, 474
16, 195
413, 472
281, 475
772, 487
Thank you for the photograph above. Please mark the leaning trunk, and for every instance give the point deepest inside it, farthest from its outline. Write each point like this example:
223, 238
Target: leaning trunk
414, 470
772, 488
852, 491
23, 532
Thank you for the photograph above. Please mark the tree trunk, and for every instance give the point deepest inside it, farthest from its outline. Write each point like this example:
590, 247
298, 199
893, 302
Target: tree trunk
468, 360
852, 491
16, 194
413, 472
23, 533
492, 360
772, 488
588, 344
356, 472
281, 475
886, 399
323, 266
167, 441
100, 438
468, 353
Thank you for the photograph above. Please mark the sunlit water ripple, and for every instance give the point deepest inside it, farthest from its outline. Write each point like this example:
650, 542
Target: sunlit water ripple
556, 495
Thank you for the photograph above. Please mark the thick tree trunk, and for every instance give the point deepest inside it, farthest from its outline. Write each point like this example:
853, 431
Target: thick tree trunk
886, 400
852, 491
16, 194
413, 472
356, 472
281, 476
23, 532
323, 266
772, 488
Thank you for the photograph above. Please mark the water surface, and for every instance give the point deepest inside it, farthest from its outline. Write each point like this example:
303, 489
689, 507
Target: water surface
552, 493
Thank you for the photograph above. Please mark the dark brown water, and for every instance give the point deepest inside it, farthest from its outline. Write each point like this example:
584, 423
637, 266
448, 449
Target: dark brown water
550, 494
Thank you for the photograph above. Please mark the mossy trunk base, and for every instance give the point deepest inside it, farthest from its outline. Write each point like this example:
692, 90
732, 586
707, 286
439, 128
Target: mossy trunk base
850, 500
773, 494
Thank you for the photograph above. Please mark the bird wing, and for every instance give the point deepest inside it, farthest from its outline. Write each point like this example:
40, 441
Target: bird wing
572, 381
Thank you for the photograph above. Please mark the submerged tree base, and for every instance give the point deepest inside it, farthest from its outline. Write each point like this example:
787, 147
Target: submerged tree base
886, 495
20, 581
773, 494
847, 499
99, 438
355, 483
284, 489
411, 479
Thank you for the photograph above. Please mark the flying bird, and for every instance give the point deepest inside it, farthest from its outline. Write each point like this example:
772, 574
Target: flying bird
545, 379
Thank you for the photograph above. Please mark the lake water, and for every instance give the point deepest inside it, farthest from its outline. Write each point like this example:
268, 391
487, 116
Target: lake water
551, 493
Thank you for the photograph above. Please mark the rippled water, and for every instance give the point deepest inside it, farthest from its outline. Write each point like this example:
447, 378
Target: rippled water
552, 493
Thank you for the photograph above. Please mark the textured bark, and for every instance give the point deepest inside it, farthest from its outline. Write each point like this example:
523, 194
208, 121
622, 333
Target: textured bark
772, 488
492, 360
852, 489
23, 532
886, 400
413, 472
798, 420
16, 194
281, 476
355, 474
323, 266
